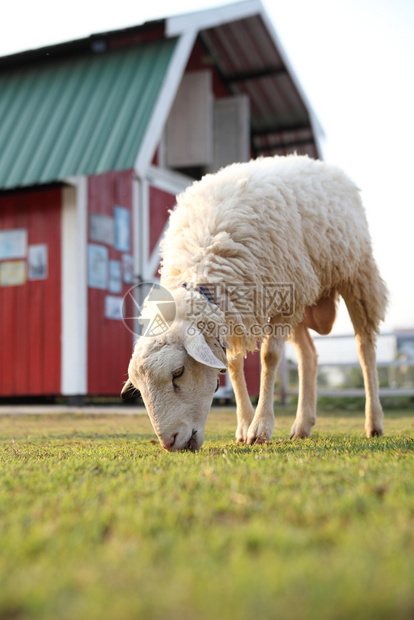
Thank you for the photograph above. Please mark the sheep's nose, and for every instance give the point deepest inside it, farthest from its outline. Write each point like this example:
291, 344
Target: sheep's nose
167, 445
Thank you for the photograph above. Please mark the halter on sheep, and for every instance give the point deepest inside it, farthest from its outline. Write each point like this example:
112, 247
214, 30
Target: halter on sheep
288, 222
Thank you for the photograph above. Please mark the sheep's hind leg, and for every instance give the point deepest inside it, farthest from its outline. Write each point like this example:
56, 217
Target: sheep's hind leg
261, 428
307, 368
373, 410
365, 339
366, 299
245, 409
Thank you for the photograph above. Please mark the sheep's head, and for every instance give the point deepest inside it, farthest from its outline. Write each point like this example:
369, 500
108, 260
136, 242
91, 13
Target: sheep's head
177, 374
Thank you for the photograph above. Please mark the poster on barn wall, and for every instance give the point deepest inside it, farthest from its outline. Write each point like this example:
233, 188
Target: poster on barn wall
115, 279
102, 229
127, 268
113, 307
13, 273
122, 229
37, 262
97, 266
13, 243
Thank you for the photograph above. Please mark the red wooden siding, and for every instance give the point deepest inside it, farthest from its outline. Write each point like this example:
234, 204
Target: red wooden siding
30, 313
252, 373
160, 203
109, 341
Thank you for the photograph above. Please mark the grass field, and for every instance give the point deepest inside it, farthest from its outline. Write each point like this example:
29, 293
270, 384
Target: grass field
98, 522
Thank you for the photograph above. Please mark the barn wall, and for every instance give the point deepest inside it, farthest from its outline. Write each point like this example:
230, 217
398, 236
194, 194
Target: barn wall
109, 342
30, 294
160, 203
252, 373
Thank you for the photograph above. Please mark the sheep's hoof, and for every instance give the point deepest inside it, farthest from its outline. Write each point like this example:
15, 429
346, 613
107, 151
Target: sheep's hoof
373, 425
300, 431
241, 433
261, 439
374, 432
260, 431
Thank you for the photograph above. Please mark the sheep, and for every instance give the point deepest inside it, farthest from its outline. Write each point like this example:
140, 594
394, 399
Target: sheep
258, 252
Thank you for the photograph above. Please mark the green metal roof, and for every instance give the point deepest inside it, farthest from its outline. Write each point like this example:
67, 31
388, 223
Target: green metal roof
80, 115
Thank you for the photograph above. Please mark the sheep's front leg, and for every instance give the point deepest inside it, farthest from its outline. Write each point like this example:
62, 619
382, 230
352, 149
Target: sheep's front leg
261, 428
245, 409
307, 369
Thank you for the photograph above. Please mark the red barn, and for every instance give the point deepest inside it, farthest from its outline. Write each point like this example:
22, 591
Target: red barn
96, 138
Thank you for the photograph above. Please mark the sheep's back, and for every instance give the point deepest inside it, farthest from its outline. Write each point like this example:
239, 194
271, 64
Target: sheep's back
272, 220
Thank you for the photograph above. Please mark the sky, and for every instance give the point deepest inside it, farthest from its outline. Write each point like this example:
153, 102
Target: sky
355, 62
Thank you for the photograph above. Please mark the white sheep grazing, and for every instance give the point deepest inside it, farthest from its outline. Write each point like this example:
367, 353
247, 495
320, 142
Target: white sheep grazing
275, 241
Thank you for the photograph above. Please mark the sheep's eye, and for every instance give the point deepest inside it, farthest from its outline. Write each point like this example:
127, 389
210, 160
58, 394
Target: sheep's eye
223, 371
176, 374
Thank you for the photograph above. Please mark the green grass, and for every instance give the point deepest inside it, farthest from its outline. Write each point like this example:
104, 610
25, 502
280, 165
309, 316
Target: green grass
98, 522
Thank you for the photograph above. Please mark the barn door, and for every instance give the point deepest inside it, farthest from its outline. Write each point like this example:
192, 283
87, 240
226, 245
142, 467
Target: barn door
30, 292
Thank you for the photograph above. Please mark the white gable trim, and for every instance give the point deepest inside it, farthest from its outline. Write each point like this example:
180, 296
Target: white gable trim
201, 20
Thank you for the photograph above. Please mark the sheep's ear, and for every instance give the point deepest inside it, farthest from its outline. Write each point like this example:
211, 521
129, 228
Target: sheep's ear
129, 390
197, 347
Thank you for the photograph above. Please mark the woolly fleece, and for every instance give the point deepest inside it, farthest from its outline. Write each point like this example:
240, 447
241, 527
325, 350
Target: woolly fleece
273, 221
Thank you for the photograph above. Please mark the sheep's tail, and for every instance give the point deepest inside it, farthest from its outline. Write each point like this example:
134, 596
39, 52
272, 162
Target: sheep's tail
366, 298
